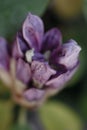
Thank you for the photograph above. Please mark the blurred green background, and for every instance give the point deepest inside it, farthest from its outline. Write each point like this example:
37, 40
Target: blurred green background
68, 109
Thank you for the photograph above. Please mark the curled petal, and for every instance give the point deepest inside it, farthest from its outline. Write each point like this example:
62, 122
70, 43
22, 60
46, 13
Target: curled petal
34, 94
4, 57
67, 55
52, 39
19, 46
60, 81
23, 71
70, 56
33, 31
41, 72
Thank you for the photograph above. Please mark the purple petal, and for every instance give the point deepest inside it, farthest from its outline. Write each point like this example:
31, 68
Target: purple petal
60, 81
41, 72
19, 46
67, 55
52, 39
33, 31
34, 94
71, 52
4, 57
55, 56
23, 71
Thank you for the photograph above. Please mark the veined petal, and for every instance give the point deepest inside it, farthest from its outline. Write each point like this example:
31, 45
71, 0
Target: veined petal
4, 57
41, 72
19, 46
52, 39
70, 56
60, 81
23, 71
33, 31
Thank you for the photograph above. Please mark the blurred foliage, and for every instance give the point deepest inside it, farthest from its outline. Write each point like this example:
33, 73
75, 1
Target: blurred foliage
4, 91
5, 114
54, 116
57, 116
13, 12
85, 9
68, 9
20, 127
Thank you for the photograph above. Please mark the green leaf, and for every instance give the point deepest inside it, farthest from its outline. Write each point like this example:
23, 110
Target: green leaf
57, 116
13, 12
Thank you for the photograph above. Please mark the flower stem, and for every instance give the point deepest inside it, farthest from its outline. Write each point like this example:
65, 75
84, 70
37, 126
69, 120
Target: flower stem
33, 119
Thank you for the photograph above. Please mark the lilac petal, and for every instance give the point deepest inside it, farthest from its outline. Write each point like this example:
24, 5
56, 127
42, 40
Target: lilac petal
34, 94
67, 55
41, 72
23, 71
60, 81
19, 46
71, 52
4, 57
33, 31
52, 39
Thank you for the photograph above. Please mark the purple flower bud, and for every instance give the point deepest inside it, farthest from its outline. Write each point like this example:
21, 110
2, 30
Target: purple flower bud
43, 63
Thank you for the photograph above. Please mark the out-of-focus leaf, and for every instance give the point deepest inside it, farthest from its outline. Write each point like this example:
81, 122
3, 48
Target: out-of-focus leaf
20, 127
13, 12
83, 102
5, 114
57, 116
67, 10
3, 90
85, 9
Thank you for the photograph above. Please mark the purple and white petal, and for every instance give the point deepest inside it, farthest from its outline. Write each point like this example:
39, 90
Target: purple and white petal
41, 72
23, 71
70, 56
33, 31
4, 56
52, 39
19, 46
34, 94
60, 81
